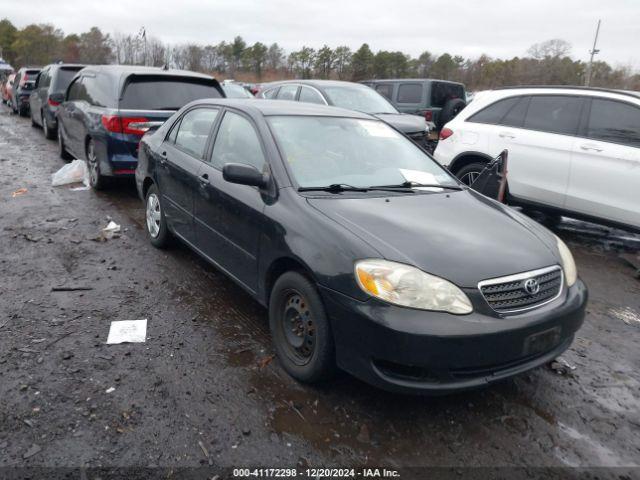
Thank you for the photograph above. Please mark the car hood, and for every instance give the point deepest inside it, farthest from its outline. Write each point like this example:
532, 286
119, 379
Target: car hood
404, 122
461, 236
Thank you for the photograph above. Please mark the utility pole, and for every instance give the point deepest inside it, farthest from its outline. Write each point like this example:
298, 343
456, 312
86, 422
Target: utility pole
593, 52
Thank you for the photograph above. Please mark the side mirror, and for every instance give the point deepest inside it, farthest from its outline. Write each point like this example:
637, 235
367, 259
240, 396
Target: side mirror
244, 175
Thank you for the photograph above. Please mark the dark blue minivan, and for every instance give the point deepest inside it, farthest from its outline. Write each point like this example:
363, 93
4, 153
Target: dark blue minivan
108, 108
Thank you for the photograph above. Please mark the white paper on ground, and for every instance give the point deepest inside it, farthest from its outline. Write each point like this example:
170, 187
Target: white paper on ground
127, 331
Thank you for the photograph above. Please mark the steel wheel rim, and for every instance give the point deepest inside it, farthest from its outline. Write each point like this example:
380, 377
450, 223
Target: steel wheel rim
93, 164
154, 215
469, 178
298, 328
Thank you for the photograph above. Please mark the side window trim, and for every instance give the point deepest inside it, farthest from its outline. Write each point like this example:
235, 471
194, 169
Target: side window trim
214, 137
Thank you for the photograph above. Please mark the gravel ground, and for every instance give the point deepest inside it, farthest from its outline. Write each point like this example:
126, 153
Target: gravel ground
204, 389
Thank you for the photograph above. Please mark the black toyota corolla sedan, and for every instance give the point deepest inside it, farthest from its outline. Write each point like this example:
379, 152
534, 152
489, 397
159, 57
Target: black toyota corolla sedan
369, 256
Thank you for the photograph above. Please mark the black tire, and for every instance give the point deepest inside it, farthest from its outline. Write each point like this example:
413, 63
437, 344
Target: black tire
469, 173
48, 132
33, 122
24, 111
300, 329
452, 108
157, 230
96, 179
62, 150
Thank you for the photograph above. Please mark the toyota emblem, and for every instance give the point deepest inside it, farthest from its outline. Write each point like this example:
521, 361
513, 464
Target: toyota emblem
531, 286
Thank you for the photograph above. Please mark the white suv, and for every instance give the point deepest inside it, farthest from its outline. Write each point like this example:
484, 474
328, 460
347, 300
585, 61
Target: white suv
572, 151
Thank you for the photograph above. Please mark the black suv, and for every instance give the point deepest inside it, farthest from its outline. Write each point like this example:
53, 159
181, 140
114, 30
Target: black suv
51, 84
438, 101
23, 84
108, 108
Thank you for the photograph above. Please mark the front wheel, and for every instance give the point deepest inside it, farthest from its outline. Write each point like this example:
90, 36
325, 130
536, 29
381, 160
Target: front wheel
469, 173
300, 329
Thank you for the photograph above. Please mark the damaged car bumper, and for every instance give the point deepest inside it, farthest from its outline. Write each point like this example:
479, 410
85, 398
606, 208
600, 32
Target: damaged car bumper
416, 351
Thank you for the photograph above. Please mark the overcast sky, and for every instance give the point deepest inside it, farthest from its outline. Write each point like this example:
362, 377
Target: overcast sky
499, 28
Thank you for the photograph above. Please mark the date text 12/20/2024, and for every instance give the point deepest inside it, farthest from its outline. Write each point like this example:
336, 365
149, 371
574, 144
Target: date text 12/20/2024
315, 473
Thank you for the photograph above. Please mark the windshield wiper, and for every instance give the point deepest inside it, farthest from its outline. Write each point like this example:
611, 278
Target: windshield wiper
345, 187
416, 184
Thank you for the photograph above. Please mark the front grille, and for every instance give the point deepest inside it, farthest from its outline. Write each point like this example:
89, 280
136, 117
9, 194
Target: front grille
510, 294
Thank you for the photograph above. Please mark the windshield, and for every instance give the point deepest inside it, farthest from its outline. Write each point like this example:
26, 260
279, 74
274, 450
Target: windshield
322, 151
359, 98
236, 91
165, 93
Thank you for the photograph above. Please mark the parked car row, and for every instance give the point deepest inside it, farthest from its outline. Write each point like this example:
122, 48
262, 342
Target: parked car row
363, 248
17, 88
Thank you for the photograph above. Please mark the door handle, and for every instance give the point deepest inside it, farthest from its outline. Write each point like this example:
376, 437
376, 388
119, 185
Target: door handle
506, 135
204, 179
588, 147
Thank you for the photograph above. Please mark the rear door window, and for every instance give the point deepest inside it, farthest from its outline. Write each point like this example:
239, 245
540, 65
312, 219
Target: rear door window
515, 116
385, 89
237, 142
442, 92
288, 92
554, 113
410, 93
164, 92
616, 122
194, 130
271, 93
309, 95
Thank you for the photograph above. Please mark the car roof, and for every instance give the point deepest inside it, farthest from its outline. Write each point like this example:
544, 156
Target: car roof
577, 90
313, 83
413, 80
283, 107
119, 70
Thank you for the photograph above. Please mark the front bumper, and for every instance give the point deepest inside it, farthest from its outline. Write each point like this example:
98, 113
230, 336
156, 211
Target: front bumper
414, 351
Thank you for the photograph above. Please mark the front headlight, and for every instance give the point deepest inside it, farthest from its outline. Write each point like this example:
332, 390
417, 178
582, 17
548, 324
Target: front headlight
408, 286
568, 264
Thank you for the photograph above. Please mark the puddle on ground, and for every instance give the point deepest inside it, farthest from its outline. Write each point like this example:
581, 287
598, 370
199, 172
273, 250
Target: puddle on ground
601, 456
626, 314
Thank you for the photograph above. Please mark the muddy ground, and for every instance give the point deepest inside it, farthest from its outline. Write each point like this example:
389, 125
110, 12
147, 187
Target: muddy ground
204, 390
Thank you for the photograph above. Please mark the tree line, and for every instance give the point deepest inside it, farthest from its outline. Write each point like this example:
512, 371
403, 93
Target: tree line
548, 62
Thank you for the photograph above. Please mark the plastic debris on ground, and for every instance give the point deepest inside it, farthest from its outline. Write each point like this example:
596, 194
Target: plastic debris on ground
109, 390
18, 192
561, 366
74, 172
127, 331
112, 230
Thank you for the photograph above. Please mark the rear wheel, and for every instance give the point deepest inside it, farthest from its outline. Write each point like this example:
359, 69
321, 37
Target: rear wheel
159, 234
48, 133
469, 173
96, 179
452, 108
300, 329
62, 150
